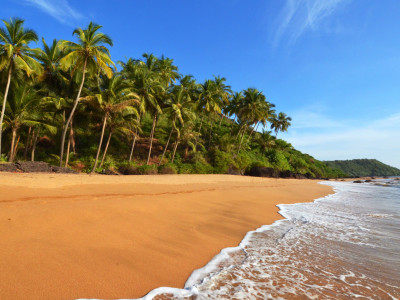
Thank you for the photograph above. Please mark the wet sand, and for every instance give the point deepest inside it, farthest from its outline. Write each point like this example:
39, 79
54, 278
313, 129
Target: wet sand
107, 237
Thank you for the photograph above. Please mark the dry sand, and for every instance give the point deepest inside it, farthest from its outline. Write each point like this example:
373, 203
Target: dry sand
81, 236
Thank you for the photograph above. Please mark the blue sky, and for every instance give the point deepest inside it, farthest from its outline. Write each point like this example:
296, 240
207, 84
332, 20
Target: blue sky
332, 65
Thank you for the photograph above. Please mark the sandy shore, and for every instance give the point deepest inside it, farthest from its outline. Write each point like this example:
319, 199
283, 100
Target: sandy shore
81, 236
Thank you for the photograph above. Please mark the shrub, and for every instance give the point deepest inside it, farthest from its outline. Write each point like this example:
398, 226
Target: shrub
128, 170
147, 170
167, 169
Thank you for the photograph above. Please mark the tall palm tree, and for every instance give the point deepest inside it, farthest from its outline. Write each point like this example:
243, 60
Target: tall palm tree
281, 123
180, 108
87, 55
22, 110
114, 97
254, 109
15, 54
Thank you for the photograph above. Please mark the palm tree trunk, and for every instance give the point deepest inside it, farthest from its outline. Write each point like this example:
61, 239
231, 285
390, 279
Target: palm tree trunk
68, 146
16, 147
14, 134
201, 122
133, 147
211, 129
254, 129
3, 109
220, 121
106, 149
27, 142
175, 147
240, 130
34, 145
151, 137
169, 138
72, 114
100, 143
241, 141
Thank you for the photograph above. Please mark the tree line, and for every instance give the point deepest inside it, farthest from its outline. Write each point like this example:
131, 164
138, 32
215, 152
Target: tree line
71, 92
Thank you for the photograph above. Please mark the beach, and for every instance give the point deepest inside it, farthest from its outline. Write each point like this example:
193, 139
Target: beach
107, 237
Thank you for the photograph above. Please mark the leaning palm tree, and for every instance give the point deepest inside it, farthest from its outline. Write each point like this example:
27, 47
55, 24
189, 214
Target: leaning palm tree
114, 97
15, 54
88, 55
281, 123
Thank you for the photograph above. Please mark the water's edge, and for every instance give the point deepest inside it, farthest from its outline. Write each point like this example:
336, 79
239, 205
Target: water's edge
204, 274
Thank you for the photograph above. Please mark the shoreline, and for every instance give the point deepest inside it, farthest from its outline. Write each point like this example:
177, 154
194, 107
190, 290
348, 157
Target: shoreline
92, 229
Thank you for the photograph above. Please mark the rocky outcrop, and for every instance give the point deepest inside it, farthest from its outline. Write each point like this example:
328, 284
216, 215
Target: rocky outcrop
262, 172
5, 167
273, 173
34, 167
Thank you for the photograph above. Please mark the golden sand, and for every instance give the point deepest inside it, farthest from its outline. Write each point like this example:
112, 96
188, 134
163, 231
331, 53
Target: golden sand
81, 236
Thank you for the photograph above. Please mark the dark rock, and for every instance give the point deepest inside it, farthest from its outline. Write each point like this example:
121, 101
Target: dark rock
368, 180
357, 181
287, 174
63, 170
33, 166
309, 175
6, 167
262, 172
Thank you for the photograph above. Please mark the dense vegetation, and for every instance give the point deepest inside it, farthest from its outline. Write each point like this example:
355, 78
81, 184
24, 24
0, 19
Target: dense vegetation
67, 104
363, 167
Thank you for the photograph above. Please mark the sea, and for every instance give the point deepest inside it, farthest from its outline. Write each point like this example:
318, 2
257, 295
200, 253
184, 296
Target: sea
343, 246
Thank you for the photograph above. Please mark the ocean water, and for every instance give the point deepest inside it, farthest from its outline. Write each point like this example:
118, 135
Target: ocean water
343, 246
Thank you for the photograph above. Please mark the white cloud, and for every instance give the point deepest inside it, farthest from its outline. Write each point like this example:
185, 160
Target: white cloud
299, 16
378, 139
59, 9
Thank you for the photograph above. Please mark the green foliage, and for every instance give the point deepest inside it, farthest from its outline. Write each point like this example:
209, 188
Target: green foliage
147, 170
364, 167
186, 126
168, 169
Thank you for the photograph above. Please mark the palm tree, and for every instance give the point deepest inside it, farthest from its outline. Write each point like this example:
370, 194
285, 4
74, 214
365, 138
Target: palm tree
281, 123
114, 97
180, 107
15, 55
254, 109
265, 140
22, 110
88, 55
120, 122
50, 57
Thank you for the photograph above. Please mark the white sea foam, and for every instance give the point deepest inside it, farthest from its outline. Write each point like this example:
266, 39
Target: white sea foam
320, 250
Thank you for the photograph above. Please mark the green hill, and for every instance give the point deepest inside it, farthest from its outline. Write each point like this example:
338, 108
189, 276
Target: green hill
364, 167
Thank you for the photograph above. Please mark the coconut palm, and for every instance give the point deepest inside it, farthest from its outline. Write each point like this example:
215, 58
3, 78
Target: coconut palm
265, 140
87, 55
281, 123
16, 55
254, 109
121, 122
114, 97
22, 111
180, 108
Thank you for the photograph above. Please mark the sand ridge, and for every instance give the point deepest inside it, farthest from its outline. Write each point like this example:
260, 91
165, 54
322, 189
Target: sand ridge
81, 236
